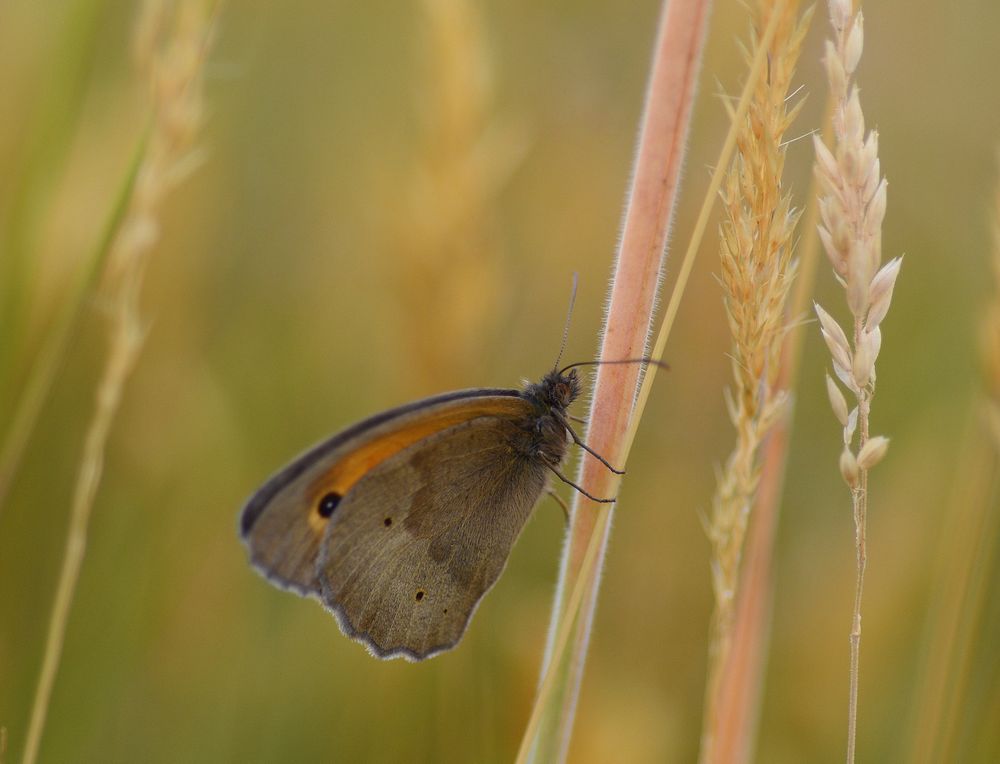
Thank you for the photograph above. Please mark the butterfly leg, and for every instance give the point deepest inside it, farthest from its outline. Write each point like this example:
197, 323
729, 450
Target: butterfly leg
561, 503
578, 419
567, 481
576, 439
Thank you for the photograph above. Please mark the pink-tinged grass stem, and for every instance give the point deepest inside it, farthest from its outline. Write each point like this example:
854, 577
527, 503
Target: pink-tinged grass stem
616, 406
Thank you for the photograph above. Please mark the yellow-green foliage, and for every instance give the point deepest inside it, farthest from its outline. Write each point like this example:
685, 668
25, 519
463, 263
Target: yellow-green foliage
285, 299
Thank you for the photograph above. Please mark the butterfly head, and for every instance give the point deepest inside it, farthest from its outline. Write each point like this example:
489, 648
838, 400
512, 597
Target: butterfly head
557, 390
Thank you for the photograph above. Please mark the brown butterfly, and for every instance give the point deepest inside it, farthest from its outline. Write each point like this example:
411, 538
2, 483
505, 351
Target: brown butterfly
401, 523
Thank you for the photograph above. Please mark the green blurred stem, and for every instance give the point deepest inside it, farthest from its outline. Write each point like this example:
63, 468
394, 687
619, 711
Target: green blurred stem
966, 548
49, 359
48, 137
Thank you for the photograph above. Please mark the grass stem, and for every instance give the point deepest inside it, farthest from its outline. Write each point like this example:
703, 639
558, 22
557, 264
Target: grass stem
550, 722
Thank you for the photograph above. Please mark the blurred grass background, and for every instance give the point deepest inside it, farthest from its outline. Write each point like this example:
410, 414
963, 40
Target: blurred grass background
393, 200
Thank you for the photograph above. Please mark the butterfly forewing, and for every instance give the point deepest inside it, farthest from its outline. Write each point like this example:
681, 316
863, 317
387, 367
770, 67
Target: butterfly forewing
419, 539
283, 523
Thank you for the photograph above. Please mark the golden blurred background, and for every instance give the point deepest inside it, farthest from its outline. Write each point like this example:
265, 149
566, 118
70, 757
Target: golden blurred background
391, 200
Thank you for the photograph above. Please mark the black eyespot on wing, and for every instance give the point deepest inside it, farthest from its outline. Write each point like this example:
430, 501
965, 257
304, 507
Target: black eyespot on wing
420, 594
328, 504
387, 522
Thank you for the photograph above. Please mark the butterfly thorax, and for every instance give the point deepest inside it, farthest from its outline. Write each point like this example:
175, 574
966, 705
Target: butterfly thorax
547, 427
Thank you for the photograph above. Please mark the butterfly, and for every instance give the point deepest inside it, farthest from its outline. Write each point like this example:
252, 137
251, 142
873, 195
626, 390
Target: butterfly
401, 523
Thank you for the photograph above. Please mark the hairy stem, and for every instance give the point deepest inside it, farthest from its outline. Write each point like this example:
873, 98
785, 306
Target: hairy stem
615, 408
552, 740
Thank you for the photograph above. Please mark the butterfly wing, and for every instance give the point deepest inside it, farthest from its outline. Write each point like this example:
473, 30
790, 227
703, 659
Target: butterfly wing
282, 524
418, 541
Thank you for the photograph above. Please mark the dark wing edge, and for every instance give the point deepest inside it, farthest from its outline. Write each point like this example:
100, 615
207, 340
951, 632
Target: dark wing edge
363, 638
412, 656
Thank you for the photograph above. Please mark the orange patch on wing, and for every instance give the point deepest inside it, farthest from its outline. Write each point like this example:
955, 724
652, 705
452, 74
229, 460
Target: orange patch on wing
412, 427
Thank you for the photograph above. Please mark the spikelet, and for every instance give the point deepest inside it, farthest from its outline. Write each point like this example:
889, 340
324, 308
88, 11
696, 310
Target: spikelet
757, 270
852, 207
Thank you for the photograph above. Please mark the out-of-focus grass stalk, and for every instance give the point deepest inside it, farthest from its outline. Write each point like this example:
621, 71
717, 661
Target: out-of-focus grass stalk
49, 359
447, 241
614, 419
961, 570
445, 259
964, 560
48, 132
48, 140
757, 236
173, 61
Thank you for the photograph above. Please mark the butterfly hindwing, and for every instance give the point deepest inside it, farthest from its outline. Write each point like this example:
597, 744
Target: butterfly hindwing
417, 542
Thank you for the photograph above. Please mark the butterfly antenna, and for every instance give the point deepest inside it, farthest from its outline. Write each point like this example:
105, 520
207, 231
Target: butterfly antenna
569, 314
652, 361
